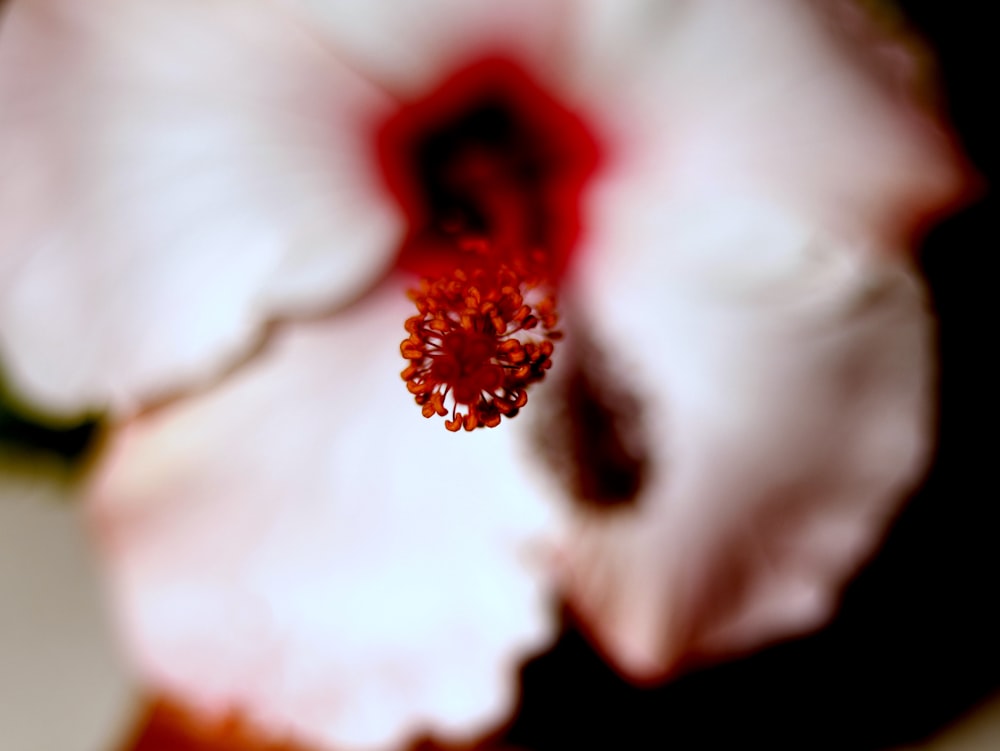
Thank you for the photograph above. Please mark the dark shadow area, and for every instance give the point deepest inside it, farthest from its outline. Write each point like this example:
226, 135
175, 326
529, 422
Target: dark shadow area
21, 431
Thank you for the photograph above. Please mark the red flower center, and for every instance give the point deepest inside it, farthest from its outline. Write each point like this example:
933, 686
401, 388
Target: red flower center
489, 170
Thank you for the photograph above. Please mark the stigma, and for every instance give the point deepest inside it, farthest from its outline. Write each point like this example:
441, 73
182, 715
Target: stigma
479, 340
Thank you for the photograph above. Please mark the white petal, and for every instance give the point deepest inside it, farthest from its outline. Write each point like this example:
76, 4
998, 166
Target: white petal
302, 546
408, 46
174, 174
786, 389
801, 103
63, 683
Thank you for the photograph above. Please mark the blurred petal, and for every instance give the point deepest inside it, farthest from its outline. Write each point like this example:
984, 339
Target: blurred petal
175, 174
410, 45
63, 684
785, 380
301, 547
800, 103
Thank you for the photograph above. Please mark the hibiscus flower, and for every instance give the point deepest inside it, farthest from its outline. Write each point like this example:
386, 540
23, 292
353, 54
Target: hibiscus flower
207, 237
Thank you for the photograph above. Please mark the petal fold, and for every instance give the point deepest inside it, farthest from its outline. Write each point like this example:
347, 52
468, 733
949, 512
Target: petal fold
175, 174
786, 384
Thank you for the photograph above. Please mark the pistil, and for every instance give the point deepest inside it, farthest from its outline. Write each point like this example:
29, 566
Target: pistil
488, 169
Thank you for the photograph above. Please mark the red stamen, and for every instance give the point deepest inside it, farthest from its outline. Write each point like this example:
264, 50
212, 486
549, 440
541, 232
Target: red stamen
479, 340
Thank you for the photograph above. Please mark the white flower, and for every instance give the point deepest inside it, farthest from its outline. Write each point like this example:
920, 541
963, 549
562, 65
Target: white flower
290, 539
